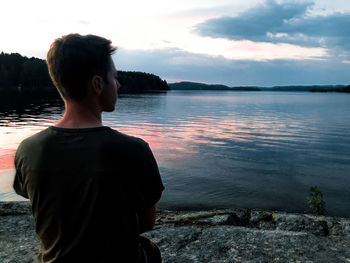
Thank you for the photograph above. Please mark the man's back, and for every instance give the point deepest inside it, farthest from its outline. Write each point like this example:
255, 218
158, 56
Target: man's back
85, 186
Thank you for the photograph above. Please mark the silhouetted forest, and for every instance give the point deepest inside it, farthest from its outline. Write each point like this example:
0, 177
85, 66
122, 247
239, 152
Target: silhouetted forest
32, 75
139, 82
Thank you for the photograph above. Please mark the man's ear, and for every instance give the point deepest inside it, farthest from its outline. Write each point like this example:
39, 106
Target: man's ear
97, 84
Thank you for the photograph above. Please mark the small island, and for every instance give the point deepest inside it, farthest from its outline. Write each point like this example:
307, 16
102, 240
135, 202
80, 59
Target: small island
186, 85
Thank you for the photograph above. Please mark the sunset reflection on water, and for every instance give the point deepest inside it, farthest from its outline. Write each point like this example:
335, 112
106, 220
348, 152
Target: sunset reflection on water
222, 149
17, 122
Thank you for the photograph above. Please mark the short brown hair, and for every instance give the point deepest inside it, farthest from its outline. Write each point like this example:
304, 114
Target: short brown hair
73, 59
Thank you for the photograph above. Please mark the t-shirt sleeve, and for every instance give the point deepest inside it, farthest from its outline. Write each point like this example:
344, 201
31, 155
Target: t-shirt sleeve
19, 181
148, 183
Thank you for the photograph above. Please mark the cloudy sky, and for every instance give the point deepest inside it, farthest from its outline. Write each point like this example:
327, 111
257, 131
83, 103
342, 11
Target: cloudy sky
232, 42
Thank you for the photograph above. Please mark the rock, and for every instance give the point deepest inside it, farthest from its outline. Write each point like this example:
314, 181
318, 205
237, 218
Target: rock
257, 216
15, 208
18, 241
339, 227
218, 220
300, 223
239, 244
267, 225
262, 220
240, 217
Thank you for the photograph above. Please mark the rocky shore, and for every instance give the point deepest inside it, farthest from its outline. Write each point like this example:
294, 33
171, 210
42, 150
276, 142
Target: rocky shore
235, 235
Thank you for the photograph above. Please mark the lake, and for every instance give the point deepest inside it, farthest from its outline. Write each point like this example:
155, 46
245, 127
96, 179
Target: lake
221, 149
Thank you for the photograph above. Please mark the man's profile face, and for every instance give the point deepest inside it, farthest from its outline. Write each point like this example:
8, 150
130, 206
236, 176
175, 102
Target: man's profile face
110, 91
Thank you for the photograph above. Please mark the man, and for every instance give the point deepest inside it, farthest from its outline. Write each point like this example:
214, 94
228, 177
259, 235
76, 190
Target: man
92, 189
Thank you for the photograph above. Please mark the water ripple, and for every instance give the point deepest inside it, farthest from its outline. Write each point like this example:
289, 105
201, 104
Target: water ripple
222, 149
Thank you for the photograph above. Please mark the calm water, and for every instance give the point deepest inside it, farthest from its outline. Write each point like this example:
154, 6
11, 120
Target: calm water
222, 149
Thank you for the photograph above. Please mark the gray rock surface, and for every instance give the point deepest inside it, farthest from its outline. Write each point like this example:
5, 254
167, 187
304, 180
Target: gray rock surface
235, 235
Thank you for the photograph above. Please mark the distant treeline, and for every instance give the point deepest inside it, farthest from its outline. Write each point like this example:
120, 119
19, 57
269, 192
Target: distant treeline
139, 82
201, 86
185, 85
331, 89
32, 75
313, 88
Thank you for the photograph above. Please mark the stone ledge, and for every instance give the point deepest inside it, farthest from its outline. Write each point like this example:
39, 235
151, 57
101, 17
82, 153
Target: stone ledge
233, 235
15, 208
260, 219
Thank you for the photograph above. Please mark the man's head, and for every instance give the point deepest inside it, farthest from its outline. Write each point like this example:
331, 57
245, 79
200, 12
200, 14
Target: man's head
73, 60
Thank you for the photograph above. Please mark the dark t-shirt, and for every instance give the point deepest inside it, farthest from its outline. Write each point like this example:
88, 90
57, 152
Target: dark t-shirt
85, 186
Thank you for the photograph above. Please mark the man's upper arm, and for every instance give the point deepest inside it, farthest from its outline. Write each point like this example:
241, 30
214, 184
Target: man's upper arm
148, 183
149, 188
146, 218
19, 182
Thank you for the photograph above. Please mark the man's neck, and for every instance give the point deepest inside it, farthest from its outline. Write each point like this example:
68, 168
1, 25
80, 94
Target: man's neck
80, 115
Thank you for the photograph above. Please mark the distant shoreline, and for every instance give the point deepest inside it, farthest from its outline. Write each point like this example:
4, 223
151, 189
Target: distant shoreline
298, 88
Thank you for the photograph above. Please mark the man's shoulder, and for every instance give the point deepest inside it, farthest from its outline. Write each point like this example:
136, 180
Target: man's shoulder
30, 143
128, 146
36, 137
128, 140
